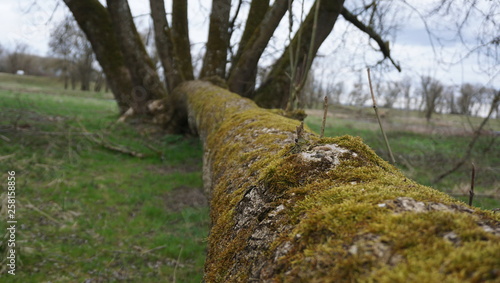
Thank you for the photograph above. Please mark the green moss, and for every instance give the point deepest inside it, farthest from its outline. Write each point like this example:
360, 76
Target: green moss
341, 205
344, 219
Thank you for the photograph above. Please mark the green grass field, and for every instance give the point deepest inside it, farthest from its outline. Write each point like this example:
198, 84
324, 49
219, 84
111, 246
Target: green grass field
90, 214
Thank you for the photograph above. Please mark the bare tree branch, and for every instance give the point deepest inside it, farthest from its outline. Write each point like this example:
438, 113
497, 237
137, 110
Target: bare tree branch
383, 45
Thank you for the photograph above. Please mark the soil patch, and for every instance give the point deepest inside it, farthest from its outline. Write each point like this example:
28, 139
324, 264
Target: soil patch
188, 167
184, 197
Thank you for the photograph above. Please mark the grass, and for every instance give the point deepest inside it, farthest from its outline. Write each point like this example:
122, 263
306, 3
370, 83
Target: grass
44, 85
86, 213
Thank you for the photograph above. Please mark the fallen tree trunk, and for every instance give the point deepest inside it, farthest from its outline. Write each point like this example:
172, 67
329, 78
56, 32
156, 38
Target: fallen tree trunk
303, 209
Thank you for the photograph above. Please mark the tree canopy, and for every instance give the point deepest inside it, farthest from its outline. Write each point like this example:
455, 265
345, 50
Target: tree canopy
123, 57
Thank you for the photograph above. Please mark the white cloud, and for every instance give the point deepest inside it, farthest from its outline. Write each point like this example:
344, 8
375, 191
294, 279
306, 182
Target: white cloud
28, 22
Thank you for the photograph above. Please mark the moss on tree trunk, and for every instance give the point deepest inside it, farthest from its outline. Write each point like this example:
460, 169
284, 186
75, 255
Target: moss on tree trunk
324, 210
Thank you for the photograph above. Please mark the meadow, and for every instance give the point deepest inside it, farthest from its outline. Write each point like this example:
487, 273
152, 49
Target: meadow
101, 201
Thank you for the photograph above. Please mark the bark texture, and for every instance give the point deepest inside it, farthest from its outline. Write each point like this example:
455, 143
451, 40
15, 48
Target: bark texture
215, 59
180, 38
324, 210
258, 9
147, 84
244, 68
164, 44
274, 92
95, 22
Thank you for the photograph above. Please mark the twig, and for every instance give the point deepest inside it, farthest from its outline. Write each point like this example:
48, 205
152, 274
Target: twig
471, 191
7, 156
325, 112
122, 150
29, 205
159, 152
4, 138
299, 130
393, 161
109, 146
177, 263
153, 249
298, 79
300, 141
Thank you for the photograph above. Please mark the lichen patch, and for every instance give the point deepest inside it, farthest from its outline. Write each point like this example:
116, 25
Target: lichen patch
370, 245
405, 204
329, 153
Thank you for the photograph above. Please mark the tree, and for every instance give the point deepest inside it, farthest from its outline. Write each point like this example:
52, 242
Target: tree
69, 42
335, 91
19, 59
358, 95
122, 56
391, 92
431, 91
471, 96
285, 205
61, 46
448, 104
312, 93
405, 84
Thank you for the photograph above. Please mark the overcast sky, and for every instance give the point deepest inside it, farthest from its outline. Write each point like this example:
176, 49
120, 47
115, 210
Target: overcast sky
30, 22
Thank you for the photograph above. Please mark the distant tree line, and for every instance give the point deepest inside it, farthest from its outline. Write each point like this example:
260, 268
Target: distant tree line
426, 94
71, 58
20, 58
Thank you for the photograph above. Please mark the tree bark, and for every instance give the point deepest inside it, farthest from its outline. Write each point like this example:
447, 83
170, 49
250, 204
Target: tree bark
215, 59
147, 84
244, 68
164, 44
287, 206
180, 38
257, 12
274, 92
172, 43
95, 22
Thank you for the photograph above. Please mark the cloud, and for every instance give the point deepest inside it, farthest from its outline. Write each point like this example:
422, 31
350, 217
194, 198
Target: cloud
26, 22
